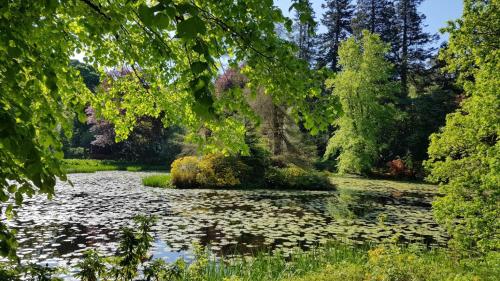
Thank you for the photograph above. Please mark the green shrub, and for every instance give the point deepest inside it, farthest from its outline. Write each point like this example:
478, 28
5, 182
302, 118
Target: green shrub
184, 172
294, 177
400, 264
257, 164
329, 164
76, 153
212, 170
217, 170
158, 180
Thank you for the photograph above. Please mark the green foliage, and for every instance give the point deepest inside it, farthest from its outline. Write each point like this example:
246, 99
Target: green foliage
175, 45
89, 74
32, 272
8, 243
92, 165
197, 269
400, 264
431, 98
294, 177
217, 170
159, 180
258, 162
464, 157
264, 267
209, 171
133, 251
91, 266
76, 153
159, 270
184, 171
366, 95
330, 262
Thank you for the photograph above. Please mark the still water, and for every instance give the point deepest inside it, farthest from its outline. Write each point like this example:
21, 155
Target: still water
90, 213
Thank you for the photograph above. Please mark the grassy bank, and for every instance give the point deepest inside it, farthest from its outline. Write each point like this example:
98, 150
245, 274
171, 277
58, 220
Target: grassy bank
158, 180
336, 262
342, 262
92, 165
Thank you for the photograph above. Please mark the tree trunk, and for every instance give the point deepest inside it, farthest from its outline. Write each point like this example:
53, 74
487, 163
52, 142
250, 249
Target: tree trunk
338, 29
372, 19
404, 55
278, 133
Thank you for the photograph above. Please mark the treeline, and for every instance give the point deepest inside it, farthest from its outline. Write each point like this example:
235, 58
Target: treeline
404, 79
93, 137
406, 83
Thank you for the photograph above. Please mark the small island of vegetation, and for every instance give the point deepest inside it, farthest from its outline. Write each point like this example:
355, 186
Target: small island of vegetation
224, 140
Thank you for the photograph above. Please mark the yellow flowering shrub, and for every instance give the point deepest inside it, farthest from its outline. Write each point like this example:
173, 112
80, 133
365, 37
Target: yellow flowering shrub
212, 170
184, 172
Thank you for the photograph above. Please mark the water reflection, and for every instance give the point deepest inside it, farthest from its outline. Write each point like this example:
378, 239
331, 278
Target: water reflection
90, 214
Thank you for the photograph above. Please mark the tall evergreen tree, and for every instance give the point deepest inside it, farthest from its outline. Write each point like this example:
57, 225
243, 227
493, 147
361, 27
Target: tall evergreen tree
411, 46
377, 16
304, 30
337, 20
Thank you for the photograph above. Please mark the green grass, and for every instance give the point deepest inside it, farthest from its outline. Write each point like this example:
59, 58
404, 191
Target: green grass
342, 262
366, 184
158, 180
92, 165
263, 267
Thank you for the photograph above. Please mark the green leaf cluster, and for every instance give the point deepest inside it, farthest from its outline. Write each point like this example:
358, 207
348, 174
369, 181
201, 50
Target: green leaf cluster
464, 157
366, 95
174, 48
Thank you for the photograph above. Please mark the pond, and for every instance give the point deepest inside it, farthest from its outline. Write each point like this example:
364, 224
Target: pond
90, 213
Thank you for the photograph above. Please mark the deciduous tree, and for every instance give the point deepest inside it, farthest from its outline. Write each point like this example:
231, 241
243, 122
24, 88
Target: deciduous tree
464, 157
367, 97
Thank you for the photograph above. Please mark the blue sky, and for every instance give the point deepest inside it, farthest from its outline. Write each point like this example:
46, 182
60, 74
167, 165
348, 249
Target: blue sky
438, 12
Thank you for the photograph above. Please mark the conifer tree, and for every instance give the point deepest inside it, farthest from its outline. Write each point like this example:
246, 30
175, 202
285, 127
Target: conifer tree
411, 45
337, 20
377, 16
305, 30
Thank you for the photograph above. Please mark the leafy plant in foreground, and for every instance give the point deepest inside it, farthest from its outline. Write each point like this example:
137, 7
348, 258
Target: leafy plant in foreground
464, 157
91, 266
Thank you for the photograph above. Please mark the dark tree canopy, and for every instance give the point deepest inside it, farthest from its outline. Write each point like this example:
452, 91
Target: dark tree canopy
337, 20
376, 16
304, 31
411, 49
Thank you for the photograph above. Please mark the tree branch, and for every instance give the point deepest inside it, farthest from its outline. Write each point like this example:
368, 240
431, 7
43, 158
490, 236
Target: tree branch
96, 8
